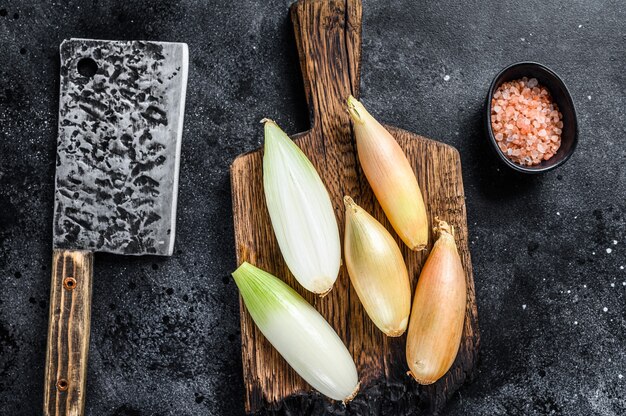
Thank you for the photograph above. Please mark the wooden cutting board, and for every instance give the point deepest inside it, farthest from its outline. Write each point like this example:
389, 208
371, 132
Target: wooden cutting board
328, 35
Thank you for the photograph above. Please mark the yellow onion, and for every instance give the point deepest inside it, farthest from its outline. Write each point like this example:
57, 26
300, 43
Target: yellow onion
436, 324
391, 176
377, 270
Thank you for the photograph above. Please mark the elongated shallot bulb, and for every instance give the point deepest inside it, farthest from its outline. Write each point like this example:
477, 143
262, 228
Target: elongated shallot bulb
438, 313
391, 177
377, 270
298, 332
301, 212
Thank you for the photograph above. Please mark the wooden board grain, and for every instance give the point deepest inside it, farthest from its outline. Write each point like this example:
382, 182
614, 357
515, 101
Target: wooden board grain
328, 35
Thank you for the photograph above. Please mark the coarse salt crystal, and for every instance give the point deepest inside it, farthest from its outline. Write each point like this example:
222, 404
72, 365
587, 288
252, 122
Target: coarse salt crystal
524, 113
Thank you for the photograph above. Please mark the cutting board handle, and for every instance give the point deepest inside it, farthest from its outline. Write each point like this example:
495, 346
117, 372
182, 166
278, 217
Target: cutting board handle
328, 36
68, 333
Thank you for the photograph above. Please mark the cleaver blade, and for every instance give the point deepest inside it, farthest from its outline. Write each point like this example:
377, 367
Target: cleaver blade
118, 153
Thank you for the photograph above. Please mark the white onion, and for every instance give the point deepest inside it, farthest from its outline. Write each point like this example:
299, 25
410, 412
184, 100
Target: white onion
302, 215
298, 332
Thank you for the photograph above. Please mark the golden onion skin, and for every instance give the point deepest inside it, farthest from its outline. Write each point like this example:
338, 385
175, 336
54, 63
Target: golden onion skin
391, 177
438, 313
377, 270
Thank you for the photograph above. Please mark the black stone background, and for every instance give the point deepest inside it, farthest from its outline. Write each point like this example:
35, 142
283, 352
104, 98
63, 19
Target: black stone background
165, 332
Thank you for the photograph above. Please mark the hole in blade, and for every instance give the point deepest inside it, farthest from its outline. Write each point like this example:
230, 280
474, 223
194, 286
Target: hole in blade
87, 67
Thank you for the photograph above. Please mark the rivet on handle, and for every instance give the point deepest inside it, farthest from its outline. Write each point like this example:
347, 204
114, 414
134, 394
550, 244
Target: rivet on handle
62, 384
69, 283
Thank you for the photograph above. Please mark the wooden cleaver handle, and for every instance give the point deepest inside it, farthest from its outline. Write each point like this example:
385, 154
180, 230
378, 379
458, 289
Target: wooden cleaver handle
68, 333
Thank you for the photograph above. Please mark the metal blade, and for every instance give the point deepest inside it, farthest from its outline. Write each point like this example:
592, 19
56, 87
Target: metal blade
118, 147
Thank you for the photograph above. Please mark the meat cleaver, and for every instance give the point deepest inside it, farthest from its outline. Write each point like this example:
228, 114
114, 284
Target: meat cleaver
118, 154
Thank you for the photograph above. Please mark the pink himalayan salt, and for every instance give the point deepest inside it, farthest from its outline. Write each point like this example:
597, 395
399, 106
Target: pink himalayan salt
526, 123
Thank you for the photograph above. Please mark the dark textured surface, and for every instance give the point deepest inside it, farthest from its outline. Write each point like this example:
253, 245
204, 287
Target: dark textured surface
165, 335
119, 145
